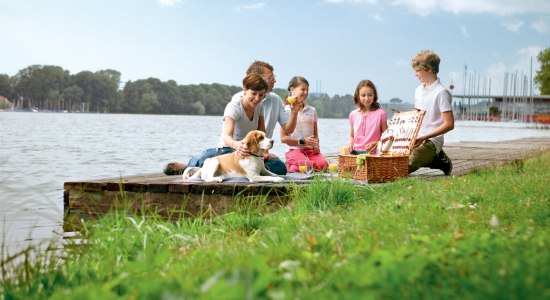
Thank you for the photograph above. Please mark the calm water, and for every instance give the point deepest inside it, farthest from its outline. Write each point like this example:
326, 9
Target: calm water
41, 151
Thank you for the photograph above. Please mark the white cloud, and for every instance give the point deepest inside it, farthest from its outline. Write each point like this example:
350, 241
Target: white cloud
513, 26
518, 72
456, 77
254, 6
540, 26
168, 2
520, 67
524, 56
496, 7
352, 1
402, 63
376, 17
496, 72
464, 31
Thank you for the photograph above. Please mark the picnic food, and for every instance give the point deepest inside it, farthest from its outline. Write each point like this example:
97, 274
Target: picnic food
291, 99
360, 160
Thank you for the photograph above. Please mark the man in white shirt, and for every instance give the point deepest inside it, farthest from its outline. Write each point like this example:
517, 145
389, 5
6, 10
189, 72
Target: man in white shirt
432, 97
274, 112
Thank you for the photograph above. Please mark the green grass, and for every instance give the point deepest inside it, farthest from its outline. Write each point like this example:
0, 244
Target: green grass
481, 236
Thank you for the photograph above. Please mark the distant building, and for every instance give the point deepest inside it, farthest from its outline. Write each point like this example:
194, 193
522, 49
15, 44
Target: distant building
392, 108
531, 109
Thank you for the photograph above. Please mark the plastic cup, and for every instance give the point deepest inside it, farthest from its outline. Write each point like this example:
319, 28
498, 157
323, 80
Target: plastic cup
305, 166
333, 166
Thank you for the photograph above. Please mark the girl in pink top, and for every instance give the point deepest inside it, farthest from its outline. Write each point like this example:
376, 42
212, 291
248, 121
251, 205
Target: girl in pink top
368, 121
303, 143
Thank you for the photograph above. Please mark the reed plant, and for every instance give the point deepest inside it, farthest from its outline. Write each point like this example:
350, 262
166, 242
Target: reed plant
485, 235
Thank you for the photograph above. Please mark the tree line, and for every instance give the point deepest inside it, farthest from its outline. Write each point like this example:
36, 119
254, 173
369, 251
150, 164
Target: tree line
46, 87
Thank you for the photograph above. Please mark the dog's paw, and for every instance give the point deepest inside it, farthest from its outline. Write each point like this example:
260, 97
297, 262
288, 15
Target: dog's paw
189, 172
278, 179
214, 179
274, 179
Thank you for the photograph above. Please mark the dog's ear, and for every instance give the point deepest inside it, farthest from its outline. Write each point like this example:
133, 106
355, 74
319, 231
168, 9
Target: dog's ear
253, 141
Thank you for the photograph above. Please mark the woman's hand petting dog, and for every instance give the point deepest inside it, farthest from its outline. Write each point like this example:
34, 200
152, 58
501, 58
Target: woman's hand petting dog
234, 164
242, 149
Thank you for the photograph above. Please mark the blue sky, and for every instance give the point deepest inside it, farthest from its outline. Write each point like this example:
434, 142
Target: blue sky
333, 43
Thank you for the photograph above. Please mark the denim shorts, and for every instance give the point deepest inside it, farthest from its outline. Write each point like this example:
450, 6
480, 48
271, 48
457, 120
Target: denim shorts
198, 160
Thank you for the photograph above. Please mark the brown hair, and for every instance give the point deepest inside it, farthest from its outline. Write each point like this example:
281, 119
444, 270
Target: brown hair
255, 82
294, 82
366, 83
426, 60
258, 67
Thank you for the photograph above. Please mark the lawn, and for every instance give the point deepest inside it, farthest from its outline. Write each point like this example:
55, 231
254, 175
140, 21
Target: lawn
485, 235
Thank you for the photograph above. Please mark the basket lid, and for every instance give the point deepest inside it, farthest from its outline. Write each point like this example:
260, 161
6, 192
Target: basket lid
401, 134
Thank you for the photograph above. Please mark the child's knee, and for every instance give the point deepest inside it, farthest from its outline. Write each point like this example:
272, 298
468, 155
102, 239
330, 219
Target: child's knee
292, 167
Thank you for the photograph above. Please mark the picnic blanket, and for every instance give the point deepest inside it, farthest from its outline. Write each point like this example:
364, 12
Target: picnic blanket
291, 177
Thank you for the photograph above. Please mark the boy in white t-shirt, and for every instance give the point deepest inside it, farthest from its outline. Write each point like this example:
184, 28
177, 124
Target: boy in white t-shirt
432, 97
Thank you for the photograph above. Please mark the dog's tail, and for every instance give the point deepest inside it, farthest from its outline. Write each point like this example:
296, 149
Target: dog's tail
191, 173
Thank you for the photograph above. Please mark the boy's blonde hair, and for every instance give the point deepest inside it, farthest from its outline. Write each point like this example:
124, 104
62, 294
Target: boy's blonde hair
426, 60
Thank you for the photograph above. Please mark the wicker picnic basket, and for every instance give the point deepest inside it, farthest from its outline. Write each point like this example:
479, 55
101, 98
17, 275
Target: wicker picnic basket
392, 162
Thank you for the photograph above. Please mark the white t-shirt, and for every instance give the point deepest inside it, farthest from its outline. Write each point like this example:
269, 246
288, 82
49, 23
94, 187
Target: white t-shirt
273, 109
305, 123
434, 99
243, 125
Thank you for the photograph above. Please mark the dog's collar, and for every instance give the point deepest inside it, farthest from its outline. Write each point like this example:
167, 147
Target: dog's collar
256, 155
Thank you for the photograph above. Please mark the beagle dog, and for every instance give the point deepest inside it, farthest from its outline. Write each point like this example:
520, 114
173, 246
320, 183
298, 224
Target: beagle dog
233, 165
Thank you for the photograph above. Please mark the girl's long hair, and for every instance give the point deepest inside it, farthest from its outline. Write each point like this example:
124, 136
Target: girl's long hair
366, 83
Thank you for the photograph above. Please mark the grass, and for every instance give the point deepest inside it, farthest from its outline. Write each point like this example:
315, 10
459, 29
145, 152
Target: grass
481, 236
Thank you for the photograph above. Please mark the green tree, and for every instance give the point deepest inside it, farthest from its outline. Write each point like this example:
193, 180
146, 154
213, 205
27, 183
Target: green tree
36, 82
109, 97
169, 98
88, 83
72, 96
396, 100
5, 86
187, 98
53, 79
543, 75
23, 87
197, 108
100, 89
54, 99
139, 97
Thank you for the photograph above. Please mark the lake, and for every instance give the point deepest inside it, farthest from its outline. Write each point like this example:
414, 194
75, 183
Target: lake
41, 151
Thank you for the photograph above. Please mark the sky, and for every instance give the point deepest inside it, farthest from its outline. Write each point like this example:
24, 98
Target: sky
332, 43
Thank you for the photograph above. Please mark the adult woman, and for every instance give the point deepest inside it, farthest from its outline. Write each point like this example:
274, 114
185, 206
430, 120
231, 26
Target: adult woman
239, 118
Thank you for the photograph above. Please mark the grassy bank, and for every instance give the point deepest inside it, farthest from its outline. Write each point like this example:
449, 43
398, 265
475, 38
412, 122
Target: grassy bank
481, 236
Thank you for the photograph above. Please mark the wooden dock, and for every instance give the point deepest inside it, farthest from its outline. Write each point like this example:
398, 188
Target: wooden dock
170, 197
